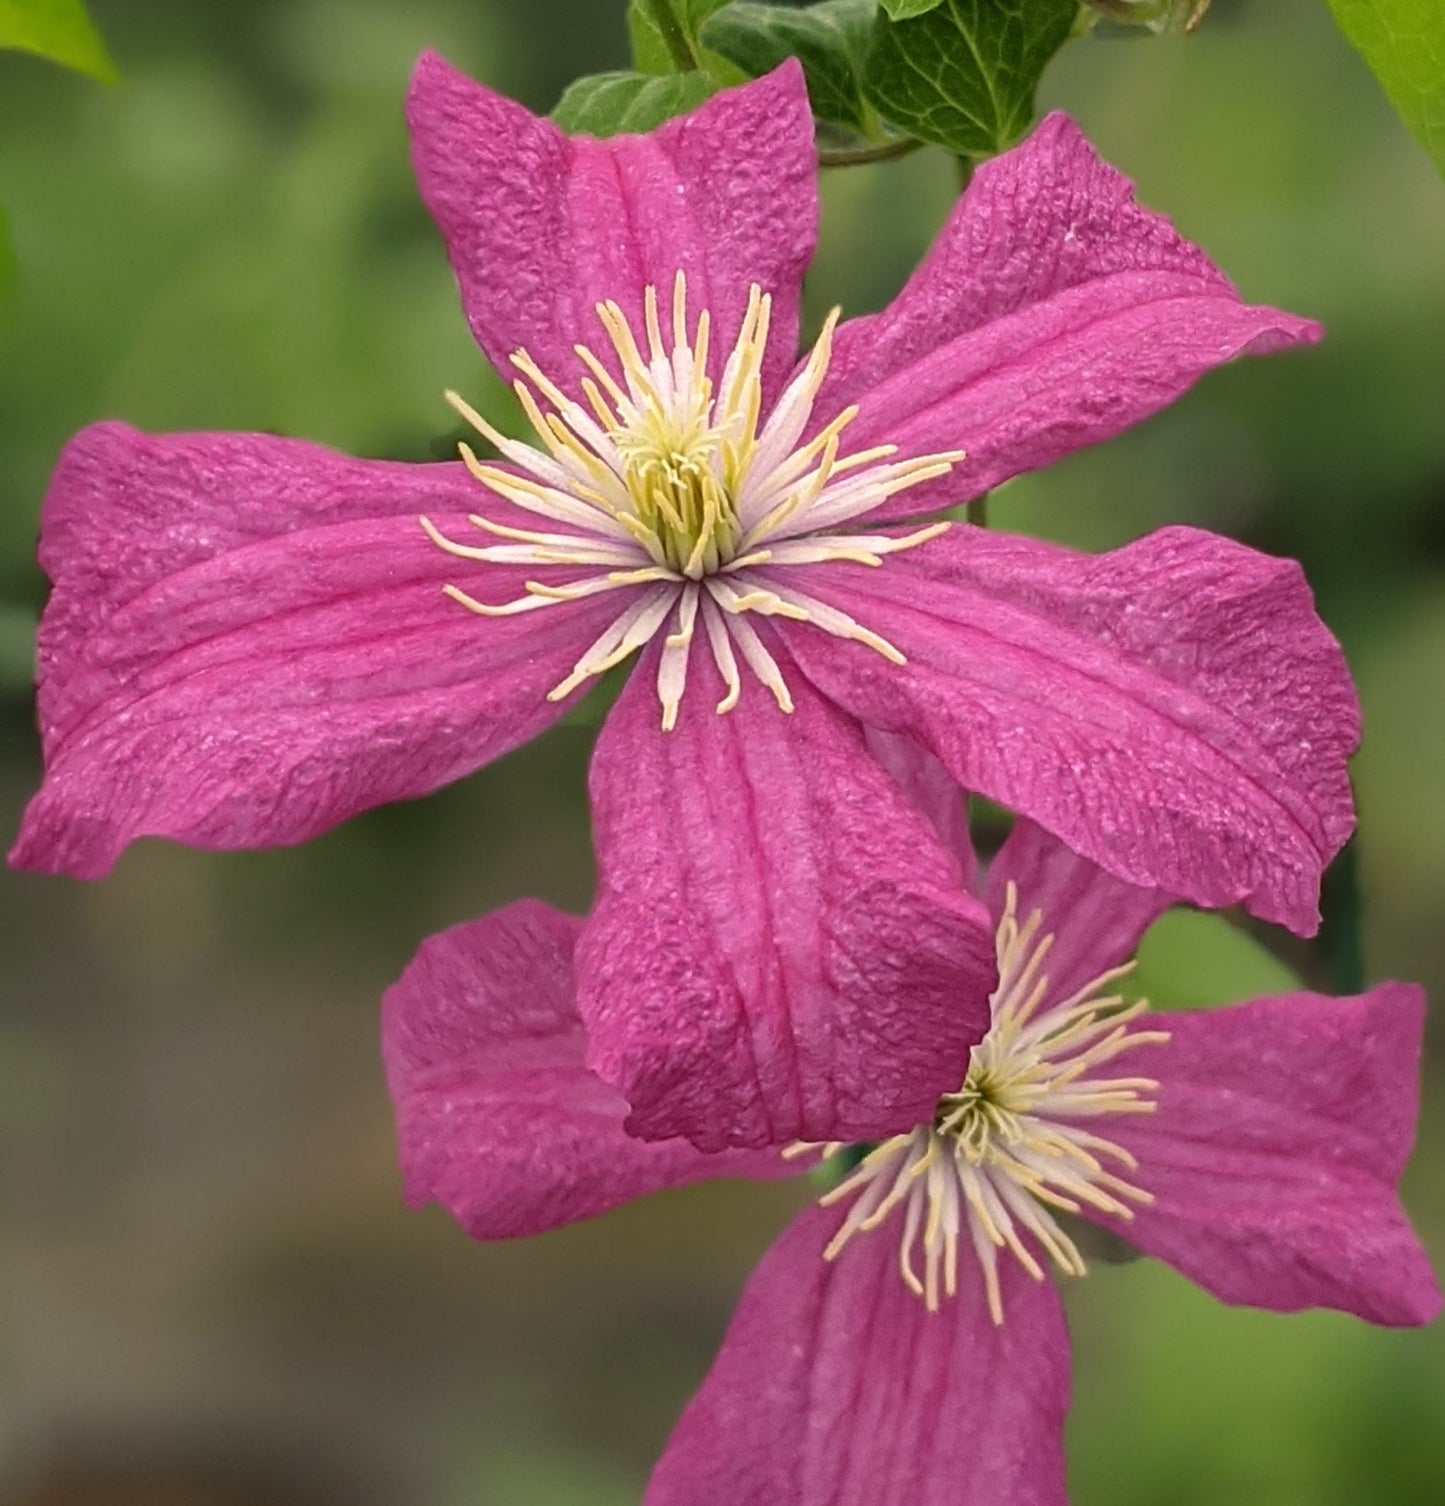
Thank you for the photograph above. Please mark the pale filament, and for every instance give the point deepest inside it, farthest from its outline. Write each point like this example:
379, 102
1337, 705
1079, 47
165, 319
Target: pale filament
674, 490
1007, 1147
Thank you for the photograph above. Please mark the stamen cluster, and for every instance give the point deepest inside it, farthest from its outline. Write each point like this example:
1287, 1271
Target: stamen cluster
1005, 1149
679, 494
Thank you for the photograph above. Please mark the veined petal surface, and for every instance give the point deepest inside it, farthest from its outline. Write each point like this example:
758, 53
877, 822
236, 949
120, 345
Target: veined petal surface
248, 641
541, 227
497, 1117
1174, 710
780, 949
835, 1386
1275, 1152
932, 789
1051, 313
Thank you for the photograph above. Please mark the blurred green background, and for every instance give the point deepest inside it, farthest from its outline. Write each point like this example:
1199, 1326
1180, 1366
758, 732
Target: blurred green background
211, 1291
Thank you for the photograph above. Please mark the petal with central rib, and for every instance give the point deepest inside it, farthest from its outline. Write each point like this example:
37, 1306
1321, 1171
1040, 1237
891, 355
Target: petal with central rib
248, 642
781, 949
1051, 313
835, 1386
497, 1117
541, 227
1174, 710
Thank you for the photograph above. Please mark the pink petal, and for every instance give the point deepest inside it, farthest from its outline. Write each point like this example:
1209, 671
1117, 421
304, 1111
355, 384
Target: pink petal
780, 947
498, 1118
1052, 313
835, 1386
932, 789
541, 227
1096, 920
1173, 710
248, 642
1282, 1129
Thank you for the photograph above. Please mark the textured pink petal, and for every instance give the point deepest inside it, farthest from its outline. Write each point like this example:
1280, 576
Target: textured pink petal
247, 642
498, 1119
540, 226
932, 789
1173, 710
780, 947
1096, 920
1052, 313
835, 1386
1282, 1128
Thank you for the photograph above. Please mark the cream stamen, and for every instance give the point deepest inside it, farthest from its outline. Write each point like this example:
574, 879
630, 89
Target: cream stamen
1004, 1150
663, 479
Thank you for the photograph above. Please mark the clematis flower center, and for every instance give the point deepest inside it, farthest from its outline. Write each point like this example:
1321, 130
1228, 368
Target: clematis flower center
1010, 1147
677, 496
674, 491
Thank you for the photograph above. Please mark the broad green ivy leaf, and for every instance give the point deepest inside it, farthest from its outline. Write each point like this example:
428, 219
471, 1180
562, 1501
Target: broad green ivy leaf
1403, 41
964, 74
905, 10
650, 52
607, 104
59, 30
830, 40
1193, 960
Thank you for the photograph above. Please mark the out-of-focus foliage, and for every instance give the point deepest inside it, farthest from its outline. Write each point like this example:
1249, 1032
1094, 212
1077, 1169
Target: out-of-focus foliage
7, 257
17, 659
204, 1247
1404, 42
1193, 961
59, 30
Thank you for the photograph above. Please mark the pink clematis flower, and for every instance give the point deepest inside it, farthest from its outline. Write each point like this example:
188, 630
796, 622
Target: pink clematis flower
251, 639
903, 1343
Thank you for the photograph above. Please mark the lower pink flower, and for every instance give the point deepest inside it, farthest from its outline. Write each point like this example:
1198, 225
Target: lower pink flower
903, 1341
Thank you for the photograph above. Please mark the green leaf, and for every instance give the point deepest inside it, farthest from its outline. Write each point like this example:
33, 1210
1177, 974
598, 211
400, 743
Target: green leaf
830, 40
905, 10
964, 74
650, 52
1403, 41
605, 104
1193, 960
59, 30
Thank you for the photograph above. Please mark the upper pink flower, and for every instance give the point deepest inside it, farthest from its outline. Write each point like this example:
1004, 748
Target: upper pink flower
252, 638
903, 1343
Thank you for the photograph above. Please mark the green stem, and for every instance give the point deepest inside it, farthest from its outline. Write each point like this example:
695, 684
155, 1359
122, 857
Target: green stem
856, 156
673, 33
978, 511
